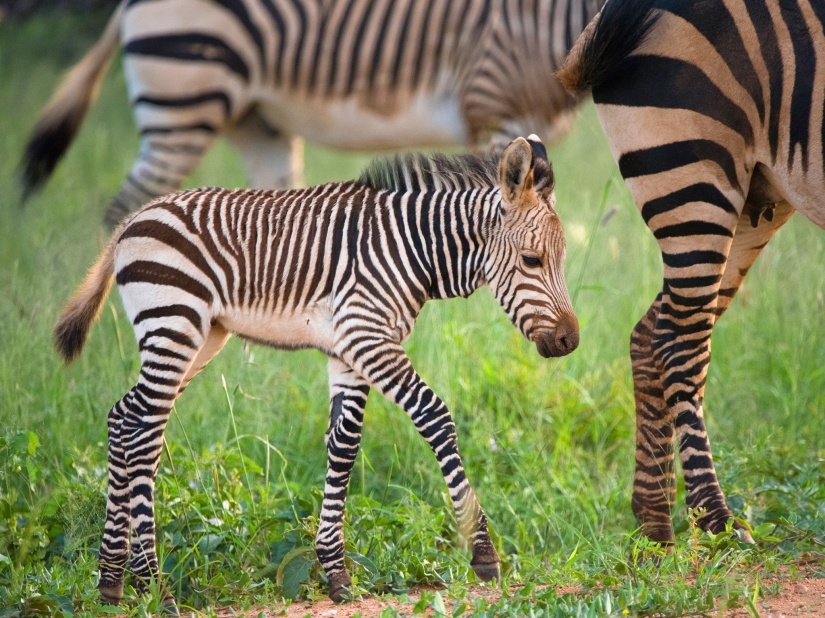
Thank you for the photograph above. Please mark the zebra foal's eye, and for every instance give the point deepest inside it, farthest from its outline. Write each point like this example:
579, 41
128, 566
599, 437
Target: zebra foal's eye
531, 261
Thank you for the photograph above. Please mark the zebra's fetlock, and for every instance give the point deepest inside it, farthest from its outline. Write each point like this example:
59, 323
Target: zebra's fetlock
111, 591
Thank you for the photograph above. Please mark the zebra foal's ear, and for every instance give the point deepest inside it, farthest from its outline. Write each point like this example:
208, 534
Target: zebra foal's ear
515, 171
543, 179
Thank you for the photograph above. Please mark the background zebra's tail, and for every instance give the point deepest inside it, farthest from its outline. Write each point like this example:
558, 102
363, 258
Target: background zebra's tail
64, 113
601, 52
81, 311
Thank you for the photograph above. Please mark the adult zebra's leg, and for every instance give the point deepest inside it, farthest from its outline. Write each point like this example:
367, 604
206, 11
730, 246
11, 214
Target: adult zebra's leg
167, 156
272, 159
386, 366
348, 395
654, 486
686, 365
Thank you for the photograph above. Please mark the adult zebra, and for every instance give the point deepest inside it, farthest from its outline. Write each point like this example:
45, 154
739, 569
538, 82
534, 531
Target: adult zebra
355, 74
344, 268
714, 111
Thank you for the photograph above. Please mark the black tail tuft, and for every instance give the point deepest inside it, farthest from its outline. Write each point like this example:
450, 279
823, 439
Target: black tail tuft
44, 150
602, 56
69, 339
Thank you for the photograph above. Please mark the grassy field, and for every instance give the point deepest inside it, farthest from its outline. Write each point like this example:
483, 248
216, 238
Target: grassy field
548, 444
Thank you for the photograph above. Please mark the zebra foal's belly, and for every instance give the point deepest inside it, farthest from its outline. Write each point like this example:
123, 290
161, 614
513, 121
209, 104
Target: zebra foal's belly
307, 327
427, 119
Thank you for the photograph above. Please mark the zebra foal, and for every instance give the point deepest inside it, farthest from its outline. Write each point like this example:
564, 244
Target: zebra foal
344, 268
713, 110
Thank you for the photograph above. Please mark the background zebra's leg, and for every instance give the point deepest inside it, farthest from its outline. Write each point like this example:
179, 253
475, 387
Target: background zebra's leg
389, 370
272, 159
114, 549
654, 486
166, 158
348, 395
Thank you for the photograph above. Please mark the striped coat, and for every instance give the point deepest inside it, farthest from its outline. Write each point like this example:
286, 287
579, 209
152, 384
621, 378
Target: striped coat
343, 268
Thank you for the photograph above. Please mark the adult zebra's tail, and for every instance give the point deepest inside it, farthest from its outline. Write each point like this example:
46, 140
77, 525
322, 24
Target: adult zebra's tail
601, 52
81, 311
64, 113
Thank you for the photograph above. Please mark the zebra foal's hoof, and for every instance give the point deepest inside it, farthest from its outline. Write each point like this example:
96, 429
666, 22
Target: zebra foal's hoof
487, 571
339, 584
169, 607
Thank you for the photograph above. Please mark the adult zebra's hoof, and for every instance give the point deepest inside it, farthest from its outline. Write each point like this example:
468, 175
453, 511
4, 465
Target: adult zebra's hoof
487, 571
339, 584
110, 595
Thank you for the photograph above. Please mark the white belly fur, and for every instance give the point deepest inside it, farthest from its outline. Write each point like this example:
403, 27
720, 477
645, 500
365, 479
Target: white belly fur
307, 328
430, 119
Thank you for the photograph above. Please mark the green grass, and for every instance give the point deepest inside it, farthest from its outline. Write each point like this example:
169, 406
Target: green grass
548, 444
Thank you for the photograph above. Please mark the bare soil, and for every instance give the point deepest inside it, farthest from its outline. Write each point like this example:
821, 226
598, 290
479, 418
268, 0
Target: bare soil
804, 597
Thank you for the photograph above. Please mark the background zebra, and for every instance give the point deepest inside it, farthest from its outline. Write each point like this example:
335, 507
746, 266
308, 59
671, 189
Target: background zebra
720, 139
356, 74
344, 268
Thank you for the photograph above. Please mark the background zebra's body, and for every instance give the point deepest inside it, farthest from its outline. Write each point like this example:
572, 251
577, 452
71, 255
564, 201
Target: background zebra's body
720, 138
344, 268
358, 74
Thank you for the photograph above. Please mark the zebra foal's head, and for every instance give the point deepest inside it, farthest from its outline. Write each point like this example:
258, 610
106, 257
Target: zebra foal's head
525, 268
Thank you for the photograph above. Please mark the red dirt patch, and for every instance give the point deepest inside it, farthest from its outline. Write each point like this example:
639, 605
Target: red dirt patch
805, 597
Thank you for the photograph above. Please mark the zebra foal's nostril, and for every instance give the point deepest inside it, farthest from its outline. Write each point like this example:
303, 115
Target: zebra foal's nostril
567, 334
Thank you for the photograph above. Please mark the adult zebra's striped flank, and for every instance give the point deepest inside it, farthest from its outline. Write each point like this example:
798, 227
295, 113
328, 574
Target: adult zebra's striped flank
344, 268
714, 112
350, 74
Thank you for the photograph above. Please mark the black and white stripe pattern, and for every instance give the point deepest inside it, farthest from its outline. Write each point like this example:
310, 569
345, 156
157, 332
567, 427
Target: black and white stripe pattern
714, 112
343, 268
263, 72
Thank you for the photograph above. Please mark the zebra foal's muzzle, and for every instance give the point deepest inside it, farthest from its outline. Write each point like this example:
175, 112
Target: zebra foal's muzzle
560, 341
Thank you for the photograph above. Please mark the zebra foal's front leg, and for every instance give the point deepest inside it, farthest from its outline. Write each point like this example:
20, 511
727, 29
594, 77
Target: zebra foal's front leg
386, 366
348, 395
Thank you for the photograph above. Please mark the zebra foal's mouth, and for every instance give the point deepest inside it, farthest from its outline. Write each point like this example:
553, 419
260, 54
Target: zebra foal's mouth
560, 341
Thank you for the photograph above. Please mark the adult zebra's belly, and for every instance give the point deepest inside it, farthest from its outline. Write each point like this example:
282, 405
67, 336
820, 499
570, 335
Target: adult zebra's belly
309, 327
427, 119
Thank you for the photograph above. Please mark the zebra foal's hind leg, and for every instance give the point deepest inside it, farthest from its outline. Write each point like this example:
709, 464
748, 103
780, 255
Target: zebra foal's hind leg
114, 550
170, 356
386, 366
348, 395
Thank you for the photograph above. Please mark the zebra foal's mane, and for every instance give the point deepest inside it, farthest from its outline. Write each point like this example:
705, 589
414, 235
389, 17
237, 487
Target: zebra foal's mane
419, 172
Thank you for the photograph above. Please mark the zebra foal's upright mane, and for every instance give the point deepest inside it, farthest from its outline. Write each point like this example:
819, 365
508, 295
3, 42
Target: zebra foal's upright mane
419, 172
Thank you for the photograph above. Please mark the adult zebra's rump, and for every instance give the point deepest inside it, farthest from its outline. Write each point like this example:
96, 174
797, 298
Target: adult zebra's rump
343, 268
356, 74
714, 113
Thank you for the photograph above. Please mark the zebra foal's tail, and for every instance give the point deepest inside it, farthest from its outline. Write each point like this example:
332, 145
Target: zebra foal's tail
64, 113
83, 308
